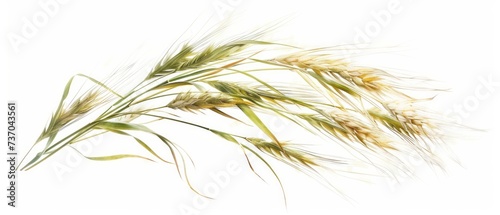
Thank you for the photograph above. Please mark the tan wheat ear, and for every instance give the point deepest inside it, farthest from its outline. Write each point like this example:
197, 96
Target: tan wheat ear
364, 132
198, 101
371, 80
408, 116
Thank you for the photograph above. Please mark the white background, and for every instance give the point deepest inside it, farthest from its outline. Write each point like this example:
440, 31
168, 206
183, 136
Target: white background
451, 41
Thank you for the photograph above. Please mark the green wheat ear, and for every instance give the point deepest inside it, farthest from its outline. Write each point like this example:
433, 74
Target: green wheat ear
348, 104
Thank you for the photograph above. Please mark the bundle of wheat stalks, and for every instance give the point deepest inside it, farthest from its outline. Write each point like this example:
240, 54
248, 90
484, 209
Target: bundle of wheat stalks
364, 109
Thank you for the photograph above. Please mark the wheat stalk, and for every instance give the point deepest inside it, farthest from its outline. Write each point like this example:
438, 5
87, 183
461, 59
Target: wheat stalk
345, 103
